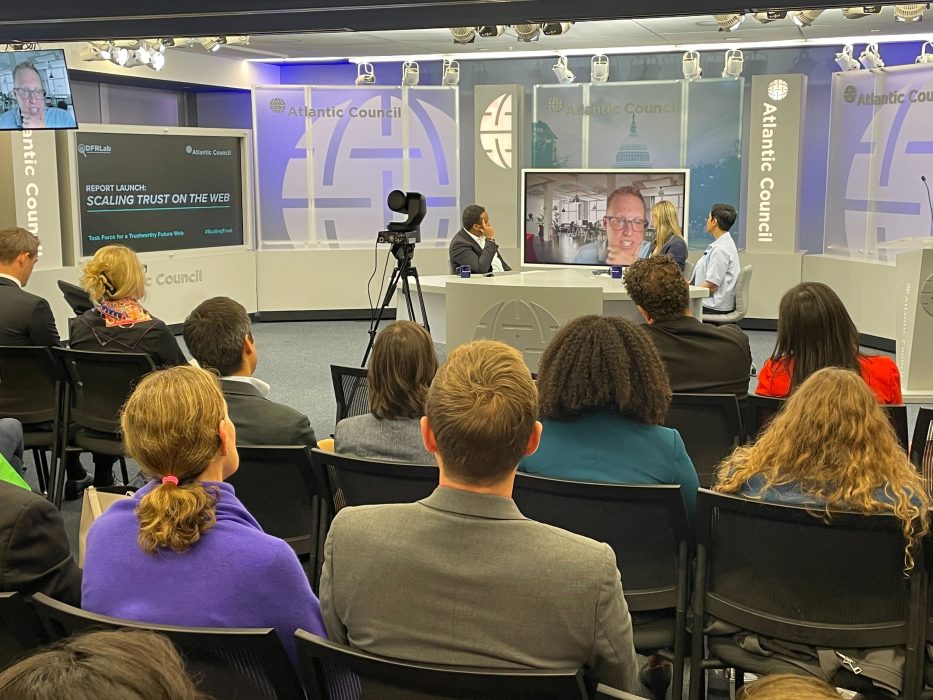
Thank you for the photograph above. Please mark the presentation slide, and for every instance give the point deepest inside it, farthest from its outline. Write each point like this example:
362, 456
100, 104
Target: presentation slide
159, 192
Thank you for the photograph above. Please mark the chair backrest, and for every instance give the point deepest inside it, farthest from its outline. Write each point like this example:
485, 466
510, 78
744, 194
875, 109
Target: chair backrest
921, 445
328, 672
99, 384
897, 414
688, 270
759, 412
20, 629
711, 427
354, 481
646, 526
226, 662
351, 389
742, 286
30, 384
76, 297
277, 485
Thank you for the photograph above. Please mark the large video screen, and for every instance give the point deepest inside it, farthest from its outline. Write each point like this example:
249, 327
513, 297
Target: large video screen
157, 192
34, 91
596, 217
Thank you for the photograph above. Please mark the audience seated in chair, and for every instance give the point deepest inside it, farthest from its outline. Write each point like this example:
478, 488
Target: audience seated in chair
602, 396
461, 577
184, 550
219, 336
125, 664
400, 371
815, 331
25, 319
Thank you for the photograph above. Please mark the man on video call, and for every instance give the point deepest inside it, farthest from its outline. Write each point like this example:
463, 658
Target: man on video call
30, 111
625, 223
475, 244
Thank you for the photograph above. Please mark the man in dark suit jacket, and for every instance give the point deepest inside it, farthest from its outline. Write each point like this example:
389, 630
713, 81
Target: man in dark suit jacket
218, 336
25, 319
700, 358
475, 244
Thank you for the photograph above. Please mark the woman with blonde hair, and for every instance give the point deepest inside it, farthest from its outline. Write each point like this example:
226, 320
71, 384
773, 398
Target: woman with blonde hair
400, 371
184, 550
783, 686
669, 239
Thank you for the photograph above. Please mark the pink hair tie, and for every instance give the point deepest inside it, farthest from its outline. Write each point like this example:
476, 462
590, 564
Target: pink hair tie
169, 479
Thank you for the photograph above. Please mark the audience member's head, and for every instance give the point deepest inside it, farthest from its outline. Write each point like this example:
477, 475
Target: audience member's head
722, 216
19, 253
787, 686
400, 371
219, 335
124, 664
175, 425
658, 289
666, 223
114, 273
814, 331
480, 414
602, 363
834, 442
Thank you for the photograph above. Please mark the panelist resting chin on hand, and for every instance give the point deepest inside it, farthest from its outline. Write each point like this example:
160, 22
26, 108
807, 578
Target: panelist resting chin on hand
475, 244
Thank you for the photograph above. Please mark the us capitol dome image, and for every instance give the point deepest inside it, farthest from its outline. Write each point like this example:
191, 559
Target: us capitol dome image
633, 153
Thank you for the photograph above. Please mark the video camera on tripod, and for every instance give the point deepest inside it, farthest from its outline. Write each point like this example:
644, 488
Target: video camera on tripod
414, 206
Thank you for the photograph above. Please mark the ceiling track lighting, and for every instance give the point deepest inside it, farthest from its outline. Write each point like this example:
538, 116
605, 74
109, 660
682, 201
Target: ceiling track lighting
870, 58
910, 13
729, 23
925, 57
845, 60
599, 68
859, 12
563, 73
556, 28
733, 64
691, 65
451, 75
410, 73
365, 74
769, 16
463, 35
527, 32
491, 30
804, 18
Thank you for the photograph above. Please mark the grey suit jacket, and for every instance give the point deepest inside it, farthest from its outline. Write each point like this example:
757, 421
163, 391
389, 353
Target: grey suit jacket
260, 421
465, 579
464, 251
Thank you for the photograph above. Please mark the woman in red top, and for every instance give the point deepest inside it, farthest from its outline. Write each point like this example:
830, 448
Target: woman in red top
816, 331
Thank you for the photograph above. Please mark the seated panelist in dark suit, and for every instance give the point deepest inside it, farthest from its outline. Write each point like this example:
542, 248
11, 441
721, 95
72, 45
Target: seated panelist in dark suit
25, 319
218, 336
475, 244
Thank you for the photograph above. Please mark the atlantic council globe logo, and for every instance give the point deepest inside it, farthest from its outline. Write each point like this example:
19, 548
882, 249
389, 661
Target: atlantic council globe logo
277, 105
778, 89
555, 104
495, 131
849, 94
188, 149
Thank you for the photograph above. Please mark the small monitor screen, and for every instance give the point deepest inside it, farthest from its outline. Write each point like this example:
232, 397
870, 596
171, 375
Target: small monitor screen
596, 217
34, 91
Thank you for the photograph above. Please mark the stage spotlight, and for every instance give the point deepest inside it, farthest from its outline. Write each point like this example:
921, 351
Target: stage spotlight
925, 57
733, 65
804, 18
157, 61
451, 72
562, 72
119, 55
845, 60
365, 74
729, 23
410, 73
769, 16
870, 58
527, 32
210, 43
239, 40
859, 12
491, 30
96, 52
556, 28
463, 35
910, 13
599, 68
691, 65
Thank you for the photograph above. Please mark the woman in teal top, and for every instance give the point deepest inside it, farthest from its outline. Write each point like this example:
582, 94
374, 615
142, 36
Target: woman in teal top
603, 393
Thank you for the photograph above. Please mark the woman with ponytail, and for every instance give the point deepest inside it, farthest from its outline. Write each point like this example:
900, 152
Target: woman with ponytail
184, 550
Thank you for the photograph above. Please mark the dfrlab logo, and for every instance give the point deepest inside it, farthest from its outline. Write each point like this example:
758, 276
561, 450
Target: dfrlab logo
495, 131
277, 105
778, 89
849, 94
86, 149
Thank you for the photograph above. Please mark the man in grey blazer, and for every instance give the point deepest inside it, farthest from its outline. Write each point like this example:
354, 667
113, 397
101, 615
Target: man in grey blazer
462, 577
475, 244
218, 335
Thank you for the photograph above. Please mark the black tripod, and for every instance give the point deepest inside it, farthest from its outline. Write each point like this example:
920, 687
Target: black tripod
403, 253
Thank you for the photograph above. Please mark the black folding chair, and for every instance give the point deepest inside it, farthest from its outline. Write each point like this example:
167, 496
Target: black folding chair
897, 414
351, 389
328, 672
97, 387
711, 427
226, 662
789, 573
76, 297
20, 629
759, 412
921, 445
646, 526
31, 388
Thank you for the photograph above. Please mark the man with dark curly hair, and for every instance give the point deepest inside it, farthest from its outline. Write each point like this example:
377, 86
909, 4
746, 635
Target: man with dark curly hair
700, 358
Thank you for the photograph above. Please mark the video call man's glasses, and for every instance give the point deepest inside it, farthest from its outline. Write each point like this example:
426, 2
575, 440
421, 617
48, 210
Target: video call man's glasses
620, 223
24, 92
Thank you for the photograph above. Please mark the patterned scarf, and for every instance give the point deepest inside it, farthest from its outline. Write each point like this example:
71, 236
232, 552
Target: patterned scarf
122, 312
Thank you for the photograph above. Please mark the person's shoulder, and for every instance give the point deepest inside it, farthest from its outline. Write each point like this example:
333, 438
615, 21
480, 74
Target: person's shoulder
576, 551
8, 119
878, 362
368, 520
16, 498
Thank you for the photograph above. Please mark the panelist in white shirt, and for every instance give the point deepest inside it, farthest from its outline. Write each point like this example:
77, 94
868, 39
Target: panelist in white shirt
475, 244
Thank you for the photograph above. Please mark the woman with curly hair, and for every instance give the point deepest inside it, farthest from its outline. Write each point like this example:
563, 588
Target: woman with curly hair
669, 239
602, 395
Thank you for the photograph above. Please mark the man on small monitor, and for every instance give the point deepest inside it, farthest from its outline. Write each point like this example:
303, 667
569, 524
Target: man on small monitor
30, 111
625, 223
475, 244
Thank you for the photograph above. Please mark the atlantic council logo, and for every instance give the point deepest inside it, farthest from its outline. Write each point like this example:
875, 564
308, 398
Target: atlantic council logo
277, 105
555, 104
778, 89
495, 131
188, 149
849, 94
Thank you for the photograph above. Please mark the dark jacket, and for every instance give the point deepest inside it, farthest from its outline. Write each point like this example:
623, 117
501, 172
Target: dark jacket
465, 251
676, 247
25, 319
89, 332
260, 421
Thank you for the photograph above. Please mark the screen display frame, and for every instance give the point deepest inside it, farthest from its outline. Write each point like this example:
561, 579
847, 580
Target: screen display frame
54, 77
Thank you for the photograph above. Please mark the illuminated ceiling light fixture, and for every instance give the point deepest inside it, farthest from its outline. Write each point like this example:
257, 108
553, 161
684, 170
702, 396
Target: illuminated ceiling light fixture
463, 35
157, 61
733, 65
556, 28
154, 45
210, 43
804, 18
492, 30
562, 72
527, 32
451, 72
239, 40
365, 74
599, 68
119, 55
769, 16
691, 65
729, 23
845, 60
859, 12
96, 52
870, 58
410, 73
910, 13
925, 57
